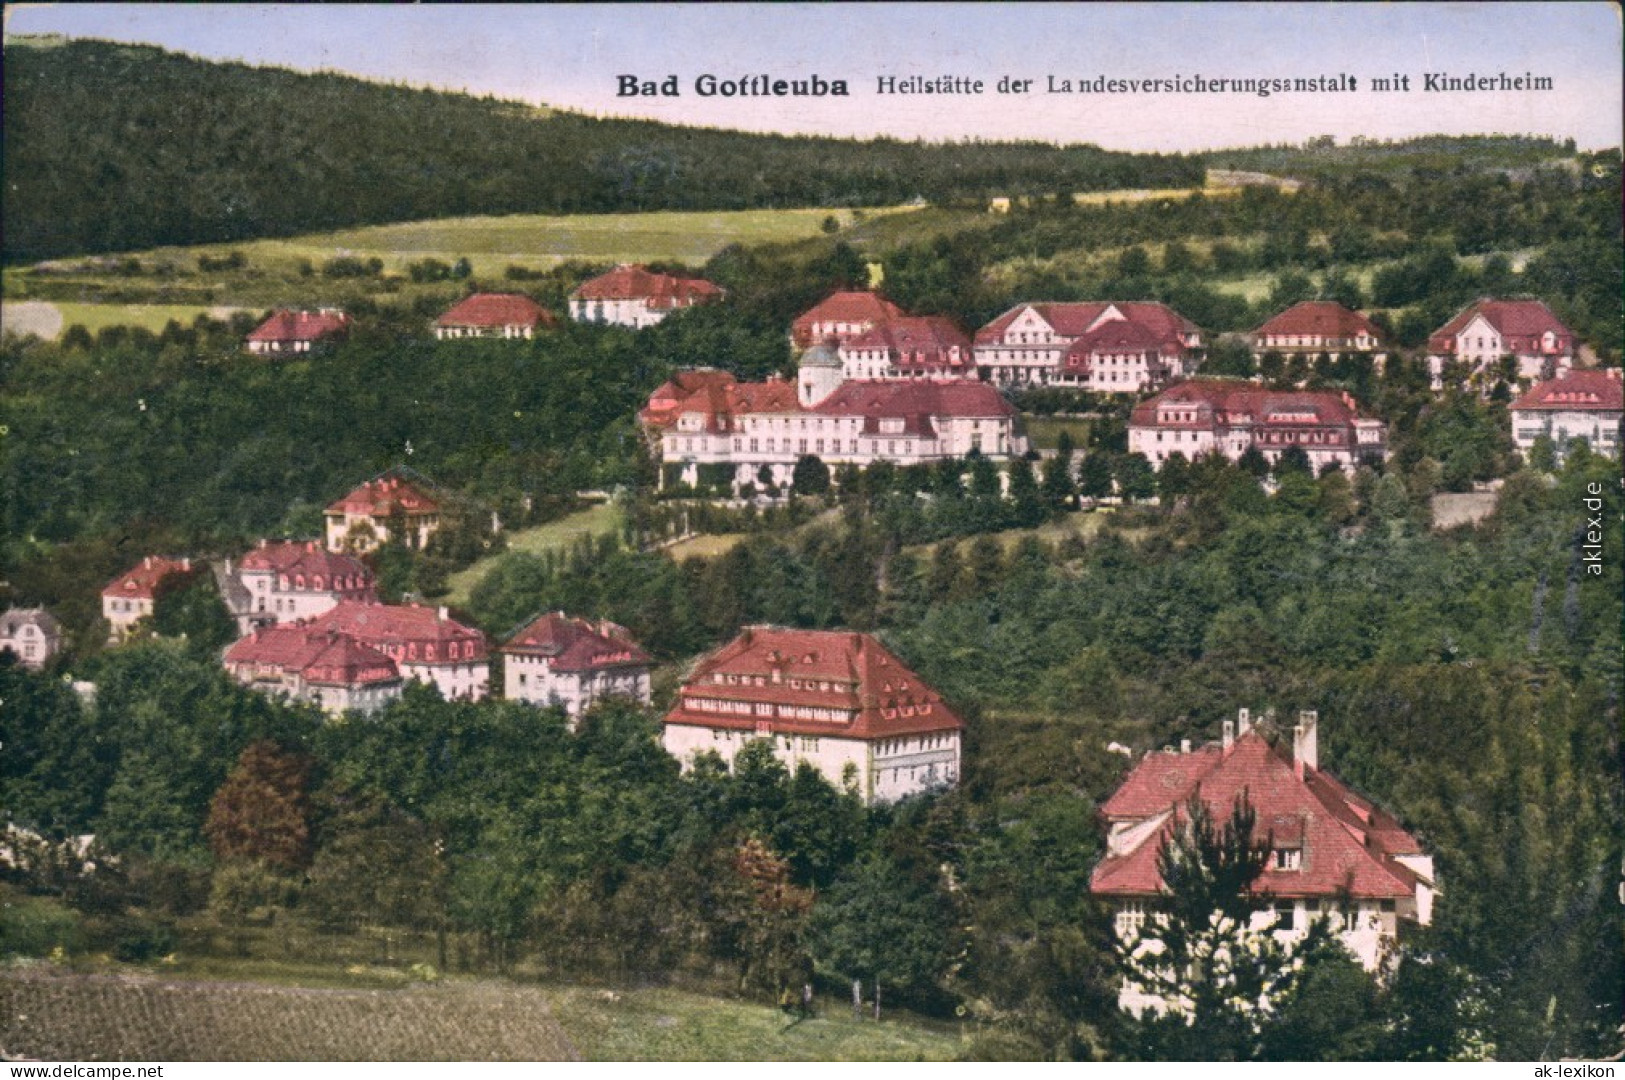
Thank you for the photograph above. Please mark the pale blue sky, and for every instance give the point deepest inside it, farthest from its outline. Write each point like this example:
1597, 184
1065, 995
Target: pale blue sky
569, 56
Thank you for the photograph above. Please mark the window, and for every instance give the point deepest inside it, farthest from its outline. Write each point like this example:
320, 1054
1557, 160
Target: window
1288, 859
1130, 916
1286, 915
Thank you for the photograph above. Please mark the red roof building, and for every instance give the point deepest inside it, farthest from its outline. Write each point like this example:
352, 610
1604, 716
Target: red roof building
321, 666
1486, 331
773, 424
1317, 326
425, 643
634, 296
1579, 404
289, 332
838, 701
1332, 852
498, 315
362, 520
908, 347
560, 660
1204, 416
1109, 346
286, 581
131, 595
842, 315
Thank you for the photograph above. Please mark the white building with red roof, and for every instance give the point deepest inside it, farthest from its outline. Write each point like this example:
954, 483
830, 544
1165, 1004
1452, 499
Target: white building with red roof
836, 700
1110, 346
841, 316
363, 519
1333, 854
32, 635
289, 580
493, 315
288, 333
1579, 404
773, 424
1318, 326
1487, 331
1203, 416
634, 296
131, 595
324, 667
560, 660
425, 643
908, 347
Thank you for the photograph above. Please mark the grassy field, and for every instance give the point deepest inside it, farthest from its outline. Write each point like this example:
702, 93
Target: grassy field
705, 547
603, 519
1082, 524
536, 241
48, 320
1045, 431
48, 1013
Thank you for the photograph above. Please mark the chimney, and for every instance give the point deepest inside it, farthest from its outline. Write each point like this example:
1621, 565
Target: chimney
1184, 746
264, 543
444, 614
1305, 753
186, 562
1229, 734
1244, 722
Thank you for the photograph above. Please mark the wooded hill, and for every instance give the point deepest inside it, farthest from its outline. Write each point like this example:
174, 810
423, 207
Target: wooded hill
113, 147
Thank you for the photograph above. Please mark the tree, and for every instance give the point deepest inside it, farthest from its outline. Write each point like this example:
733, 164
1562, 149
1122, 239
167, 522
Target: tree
1028, 507
1135, 478
1543, 454
1057, 484
1175, 478
1253, 461
1293, 459
262, 811
1218, 978
811, 476
880, 923
1095, 476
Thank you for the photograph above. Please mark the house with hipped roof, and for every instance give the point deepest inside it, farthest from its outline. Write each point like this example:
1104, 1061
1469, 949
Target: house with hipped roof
1330, 852
291, 333
426, 643
635, 296
1229, 417
1319, 327
370, 515
1487, 331
838, 701
1121, 346
289, 580
511, 316
1579, 404
842, 316
560, 660
132, 595
324, 667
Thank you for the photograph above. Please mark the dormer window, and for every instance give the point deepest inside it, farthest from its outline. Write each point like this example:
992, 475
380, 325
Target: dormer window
1287, 859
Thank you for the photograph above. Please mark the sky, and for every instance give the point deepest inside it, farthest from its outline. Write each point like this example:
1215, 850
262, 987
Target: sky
570, 56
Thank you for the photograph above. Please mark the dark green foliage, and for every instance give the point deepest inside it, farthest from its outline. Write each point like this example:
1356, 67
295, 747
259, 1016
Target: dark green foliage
810, 476
880, 923
196, 613
140, 127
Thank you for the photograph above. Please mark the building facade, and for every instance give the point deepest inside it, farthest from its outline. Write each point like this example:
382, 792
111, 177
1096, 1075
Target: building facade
838, 701
363, 519
636, 297
293, 333
908, 347
510, 316
1487, 331
745, 428
287, 581
32, 635
1109, 346
1579, 404
1332, 854
1318, 327
425, 643
559, 660
330, 670
132, 594
1205, 416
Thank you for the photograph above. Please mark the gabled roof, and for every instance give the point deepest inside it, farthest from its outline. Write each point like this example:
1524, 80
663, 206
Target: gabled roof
917, 341
628, 282
572, 644
1234, 402
1519, 322
144, 580
861, 308
916, 403
667, 402
1593, 390
851, 675
304, 557
322, 656
1073, 319
496, 310
1319, 318
287, 325
389, 627
1346, 843
14, 619
386, 495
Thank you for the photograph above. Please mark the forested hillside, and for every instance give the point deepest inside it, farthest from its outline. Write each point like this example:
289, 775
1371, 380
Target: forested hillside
115, 147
